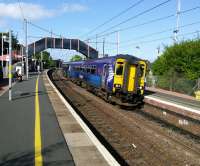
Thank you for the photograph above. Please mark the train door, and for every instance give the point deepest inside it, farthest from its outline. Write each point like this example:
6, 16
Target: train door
104, 76
119, 74
131, 78
142, 71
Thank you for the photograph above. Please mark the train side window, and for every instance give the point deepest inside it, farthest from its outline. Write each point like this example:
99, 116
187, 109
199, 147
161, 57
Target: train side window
105, 69
88, 69
119, 69
93, 70
84, 69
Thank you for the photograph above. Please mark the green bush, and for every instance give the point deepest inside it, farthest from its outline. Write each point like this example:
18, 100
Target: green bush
178, 67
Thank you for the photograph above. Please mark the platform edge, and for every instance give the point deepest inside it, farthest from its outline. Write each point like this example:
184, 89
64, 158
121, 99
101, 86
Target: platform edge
104, 152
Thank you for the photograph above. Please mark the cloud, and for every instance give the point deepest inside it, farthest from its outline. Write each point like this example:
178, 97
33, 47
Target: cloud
66, 7
30, 11
35, 11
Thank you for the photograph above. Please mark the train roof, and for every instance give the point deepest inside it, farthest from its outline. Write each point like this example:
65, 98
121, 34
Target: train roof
109, 59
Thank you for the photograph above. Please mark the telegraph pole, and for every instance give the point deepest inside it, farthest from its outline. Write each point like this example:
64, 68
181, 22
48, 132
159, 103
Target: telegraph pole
26, 50
178, 10
10, 65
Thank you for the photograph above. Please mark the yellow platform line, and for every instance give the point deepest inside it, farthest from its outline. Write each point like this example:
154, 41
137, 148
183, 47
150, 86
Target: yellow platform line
38, 142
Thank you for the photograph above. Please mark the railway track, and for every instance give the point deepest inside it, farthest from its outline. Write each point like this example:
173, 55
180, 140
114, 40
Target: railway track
132, 138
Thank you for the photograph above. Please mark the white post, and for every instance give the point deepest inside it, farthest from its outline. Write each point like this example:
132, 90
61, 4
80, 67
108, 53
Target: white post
117, 42
26, 45
10, 65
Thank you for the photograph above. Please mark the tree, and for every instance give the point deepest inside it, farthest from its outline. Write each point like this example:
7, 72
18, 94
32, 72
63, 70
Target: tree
47, 59
15, 42
178, 67
76, 58
182, 58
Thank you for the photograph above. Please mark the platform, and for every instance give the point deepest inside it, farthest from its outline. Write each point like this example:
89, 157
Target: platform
32, 134
3, 86
180, 103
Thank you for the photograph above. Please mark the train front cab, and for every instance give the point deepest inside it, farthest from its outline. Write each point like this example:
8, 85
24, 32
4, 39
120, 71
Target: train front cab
129, 80
119, 74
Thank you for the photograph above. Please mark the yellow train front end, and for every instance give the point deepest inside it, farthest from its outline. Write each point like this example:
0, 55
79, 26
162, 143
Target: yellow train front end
129, 79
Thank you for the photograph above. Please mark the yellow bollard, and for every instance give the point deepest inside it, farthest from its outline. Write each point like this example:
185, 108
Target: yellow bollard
197, 94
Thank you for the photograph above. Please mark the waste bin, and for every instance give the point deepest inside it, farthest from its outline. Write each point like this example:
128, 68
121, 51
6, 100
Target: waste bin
197, 94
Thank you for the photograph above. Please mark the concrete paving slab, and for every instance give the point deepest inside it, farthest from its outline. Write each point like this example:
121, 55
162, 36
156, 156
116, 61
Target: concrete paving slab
93, 158
78, 139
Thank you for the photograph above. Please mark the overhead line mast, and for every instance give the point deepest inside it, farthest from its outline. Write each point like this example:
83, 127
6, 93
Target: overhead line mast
178, 11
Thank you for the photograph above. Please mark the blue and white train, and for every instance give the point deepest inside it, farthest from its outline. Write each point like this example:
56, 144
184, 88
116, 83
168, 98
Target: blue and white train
119, 79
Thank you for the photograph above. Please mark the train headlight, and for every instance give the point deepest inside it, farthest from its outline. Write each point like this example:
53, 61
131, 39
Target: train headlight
117, 85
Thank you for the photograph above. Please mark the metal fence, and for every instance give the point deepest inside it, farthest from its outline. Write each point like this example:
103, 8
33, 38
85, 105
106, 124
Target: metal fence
175, 82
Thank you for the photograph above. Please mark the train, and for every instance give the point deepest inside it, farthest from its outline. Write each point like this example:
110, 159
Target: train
118, 79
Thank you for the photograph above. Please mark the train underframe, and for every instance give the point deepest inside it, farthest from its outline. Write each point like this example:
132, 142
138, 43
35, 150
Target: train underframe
119, 98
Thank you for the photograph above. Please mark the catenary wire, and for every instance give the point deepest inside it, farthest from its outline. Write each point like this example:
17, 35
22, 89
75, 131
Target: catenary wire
135, 16
145, 23
114, 17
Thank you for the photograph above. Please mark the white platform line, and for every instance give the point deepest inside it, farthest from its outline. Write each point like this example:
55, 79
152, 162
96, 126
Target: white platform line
105, 153
172, 104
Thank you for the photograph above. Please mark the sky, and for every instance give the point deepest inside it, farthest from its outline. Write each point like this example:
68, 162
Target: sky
76, 18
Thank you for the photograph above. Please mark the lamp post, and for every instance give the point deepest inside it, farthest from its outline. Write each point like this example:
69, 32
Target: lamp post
10, 66
26, 48
2, 51
2, 48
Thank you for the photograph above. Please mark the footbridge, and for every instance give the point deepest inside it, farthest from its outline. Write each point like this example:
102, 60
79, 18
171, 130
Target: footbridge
62, 43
